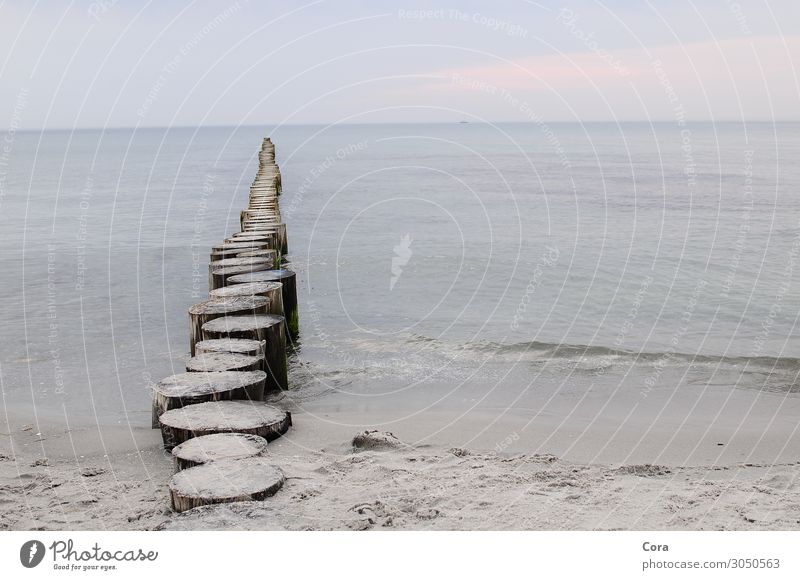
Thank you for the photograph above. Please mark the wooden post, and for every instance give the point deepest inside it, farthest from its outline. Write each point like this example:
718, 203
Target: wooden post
288, 279
201, 313
279, 228
271, 255
251, 263
243, 246
215, 362
266, 327
234, 345
225, 481
271, 290
219, 255
266, 212
201, 450
219, 275
179, 425
188, 388
268, 238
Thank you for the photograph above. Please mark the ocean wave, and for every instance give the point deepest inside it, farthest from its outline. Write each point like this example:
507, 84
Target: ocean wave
602, 356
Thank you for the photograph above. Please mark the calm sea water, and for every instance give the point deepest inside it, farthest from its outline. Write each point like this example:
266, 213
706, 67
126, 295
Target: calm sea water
463, 267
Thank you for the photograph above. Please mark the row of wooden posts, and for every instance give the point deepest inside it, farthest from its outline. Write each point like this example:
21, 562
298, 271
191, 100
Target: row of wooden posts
213, 417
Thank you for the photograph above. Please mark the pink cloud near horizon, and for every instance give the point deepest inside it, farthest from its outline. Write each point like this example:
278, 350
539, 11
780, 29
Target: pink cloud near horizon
752, 78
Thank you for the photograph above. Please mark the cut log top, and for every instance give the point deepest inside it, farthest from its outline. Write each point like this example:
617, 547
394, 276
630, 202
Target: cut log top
263, 238
242, 261
245, 237
218, 255
263, 235
264, 276
219, 446
226, 271
245, 245
186, 385
215, 362
241, 323
227, 480
228, 417
226, 304
247, 289
264, 227
261, 215
267, 239
269, 255
235, 345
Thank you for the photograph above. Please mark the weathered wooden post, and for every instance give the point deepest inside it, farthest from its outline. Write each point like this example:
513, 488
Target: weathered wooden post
225, 251
245, 245
189, 388
270, 255
279, 228
201, 313
271, 290
201, 450
233, 345
219, 270
269, 238
241, 252
220, 275
179, 425
263, 327
289, 281
214, 362
225, 481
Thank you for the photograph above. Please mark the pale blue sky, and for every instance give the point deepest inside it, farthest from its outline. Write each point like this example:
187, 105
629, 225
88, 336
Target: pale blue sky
107, 64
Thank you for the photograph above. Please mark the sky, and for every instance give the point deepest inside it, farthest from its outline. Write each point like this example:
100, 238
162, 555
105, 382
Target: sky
119, 63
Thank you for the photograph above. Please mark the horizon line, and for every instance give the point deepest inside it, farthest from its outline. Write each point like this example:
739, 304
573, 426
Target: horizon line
460, 122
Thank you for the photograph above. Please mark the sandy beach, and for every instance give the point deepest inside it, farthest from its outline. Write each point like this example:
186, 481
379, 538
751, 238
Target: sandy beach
115, 478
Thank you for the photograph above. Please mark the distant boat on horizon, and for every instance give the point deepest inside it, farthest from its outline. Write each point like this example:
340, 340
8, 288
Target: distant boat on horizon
463, 122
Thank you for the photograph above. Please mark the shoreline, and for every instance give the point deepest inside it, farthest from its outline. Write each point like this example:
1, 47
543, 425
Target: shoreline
116, 477
586, 438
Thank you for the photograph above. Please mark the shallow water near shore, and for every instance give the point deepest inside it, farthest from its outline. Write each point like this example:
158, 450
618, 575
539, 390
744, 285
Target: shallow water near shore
609, 287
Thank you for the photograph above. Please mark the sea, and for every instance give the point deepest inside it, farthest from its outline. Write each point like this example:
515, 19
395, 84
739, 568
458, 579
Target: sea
592, 272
